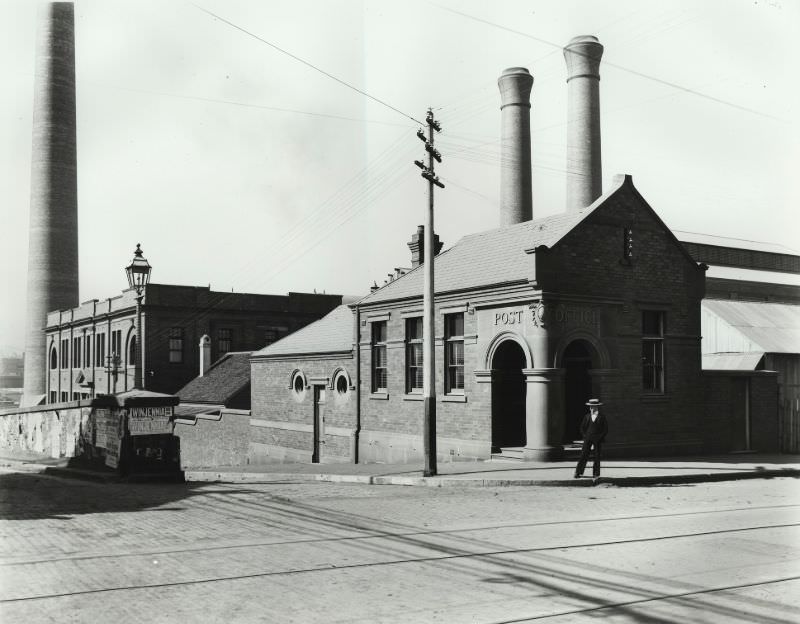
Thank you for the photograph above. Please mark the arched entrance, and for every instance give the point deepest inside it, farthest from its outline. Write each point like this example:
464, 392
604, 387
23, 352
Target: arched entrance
577, 362
508, 396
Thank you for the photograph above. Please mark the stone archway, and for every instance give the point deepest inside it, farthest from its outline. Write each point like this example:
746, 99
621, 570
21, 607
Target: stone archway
509, 392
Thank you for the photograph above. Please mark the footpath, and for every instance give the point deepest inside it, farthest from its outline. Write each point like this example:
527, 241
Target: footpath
493, 473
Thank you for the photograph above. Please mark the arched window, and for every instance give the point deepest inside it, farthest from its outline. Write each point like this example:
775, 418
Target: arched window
298, 385
53, 358
132, 351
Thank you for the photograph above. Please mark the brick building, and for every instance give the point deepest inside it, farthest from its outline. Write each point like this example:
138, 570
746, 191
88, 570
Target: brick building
531, 321
90, 349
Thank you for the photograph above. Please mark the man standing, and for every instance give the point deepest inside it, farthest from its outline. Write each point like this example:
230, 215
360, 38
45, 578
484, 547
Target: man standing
594, 428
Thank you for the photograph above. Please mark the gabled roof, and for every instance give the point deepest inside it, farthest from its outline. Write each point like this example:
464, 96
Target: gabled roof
226, 378
498, 256
487, 258
331, 334
773, 327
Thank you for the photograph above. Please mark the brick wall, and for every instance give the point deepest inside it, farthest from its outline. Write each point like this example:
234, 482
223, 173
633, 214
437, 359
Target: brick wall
209, 442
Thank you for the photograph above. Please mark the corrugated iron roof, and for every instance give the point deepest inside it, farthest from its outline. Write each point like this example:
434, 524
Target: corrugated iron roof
736, 243
330, 334
732, 361
753, 275
774, 327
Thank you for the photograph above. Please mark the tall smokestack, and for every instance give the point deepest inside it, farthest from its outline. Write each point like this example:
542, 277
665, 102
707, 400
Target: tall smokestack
53, 233
584, 169
516, 201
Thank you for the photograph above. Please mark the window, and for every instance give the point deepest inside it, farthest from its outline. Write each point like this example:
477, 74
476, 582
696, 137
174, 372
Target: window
64, 396
223, 341
379, 377
175, 345
652, 351
132, 351
87, 351
65, 353
341, 384
298, 386
454, 353
53, 360
414, 355
116, 343
53, 396
100, 350
76, 352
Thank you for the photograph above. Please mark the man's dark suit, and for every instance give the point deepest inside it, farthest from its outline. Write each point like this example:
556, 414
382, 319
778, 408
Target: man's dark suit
593, 435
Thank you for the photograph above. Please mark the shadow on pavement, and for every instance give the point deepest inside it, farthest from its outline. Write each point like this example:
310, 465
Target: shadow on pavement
25, 496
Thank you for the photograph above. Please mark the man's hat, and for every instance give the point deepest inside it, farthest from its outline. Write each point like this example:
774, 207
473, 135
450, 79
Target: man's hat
594, 403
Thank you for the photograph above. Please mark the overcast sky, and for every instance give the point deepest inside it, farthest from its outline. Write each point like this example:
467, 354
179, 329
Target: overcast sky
238, 166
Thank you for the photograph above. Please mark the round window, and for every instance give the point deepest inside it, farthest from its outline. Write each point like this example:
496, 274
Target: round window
341, 384
299, 384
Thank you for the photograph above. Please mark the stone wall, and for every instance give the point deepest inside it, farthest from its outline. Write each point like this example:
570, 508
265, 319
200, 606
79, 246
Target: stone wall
55, 430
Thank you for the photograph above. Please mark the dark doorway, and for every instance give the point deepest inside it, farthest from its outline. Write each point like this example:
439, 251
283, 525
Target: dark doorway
319, 418
508, 396
577, 361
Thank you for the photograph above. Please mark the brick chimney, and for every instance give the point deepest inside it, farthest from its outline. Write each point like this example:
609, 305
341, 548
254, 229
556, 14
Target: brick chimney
417, 246
584, 170
516, 198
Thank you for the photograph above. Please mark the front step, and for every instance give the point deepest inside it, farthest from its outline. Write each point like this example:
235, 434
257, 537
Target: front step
510, 453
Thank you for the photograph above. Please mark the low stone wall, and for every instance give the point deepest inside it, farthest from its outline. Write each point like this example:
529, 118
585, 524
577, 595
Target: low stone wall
55, 430
208, 441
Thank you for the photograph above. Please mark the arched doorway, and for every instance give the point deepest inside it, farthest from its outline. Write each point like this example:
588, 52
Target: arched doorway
508, 396
577, 362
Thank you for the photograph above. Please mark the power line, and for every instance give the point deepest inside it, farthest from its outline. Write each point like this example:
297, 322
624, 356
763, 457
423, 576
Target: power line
620, 67
243, 104
306, 63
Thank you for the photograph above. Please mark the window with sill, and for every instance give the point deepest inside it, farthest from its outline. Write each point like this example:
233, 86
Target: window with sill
653, 351
414, 355
454, 353
379, 371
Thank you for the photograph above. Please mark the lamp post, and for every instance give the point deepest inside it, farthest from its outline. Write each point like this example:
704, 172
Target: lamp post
138, 272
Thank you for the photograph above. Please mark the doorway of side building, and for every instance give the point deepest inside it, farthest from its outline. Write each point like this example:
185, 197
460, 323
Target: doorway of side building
319, 419
508, 397
577, 362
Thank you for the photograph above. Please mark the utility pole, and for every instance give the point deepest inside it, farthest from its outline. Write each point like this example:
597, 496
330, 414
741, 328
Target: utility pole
428, 324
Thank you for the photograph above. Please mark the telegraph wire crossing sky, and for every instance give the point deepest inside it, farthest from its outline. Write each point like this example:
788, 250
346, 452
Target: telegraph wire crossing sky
236, 164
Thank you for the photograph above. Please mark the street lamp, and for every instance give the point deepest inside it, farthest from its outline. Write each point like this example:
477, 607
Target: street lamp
138, 272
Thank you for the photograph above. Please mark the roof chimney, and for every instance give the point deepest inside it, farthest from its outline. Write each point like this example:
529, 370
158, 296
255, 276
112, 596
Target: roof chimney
516, 201
417, 246
584, 169
205, 354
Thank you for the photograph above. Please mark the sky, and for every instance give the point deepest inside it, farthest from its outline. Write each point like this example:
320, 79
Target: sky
267, 146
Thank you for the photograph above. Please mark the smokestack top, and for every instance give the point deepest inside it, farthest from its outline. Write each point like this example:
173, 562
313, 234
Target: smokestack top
515, 85
583, 56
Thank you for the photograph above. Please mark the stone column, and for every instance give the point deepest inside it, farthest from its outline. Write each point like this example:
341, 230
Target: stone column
516, 200
53, 232
584, 169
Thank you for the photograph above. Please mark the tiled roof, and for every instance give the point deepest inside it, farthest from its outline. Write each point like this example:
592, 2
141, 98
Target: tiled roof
486, 258
224, 380
771, 327
332, 333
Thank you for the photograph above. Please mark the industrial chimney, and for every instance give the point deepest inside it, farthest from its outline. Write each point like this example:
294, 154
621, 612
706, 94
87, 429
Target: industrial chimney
516, 201
584, 169
53, 233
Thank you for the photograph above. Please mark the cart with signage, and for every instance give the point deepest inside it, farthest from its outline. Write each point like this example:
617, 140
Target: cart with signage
133, 433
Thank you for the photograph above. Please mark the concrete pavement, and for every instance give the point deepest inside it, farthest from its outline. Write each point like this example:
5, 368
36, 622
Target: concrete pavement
494, 473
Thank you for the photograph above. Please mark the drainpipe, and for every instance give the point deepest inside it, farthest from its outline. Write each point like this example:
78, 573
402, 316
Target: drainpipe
357, 432
747, 414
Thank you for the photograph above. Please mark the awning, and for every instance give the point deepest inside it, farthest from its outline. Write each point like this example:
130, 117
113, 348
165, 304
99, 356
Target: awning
193, 411
746, 361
